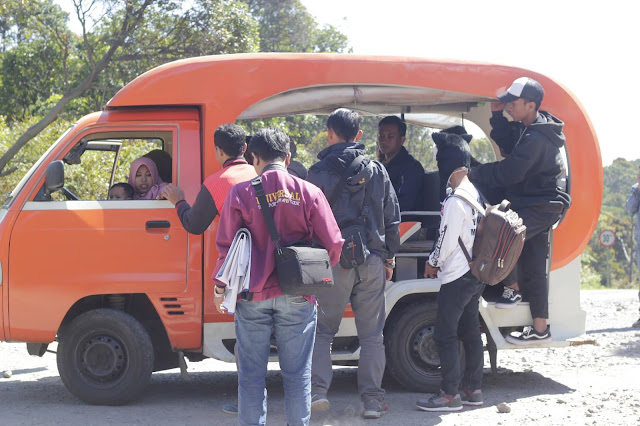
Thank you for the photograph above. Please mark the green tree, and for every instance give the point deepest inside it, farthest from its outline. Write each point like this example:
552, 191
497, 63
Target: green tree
618, 179
48, 71
287, 26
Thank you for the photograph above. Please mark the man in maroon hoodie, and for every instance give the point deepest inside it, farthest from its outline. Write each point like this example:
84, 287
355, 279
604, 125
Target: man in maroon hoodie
301, 213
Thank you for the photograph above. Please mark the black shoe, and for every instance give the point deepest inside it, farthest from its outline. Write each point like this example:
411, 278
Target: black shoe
636, 324
509, 299
530, 336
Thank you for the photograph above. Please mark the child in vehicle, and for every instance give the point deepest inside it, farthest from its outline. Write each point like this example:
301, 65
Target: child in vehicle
121, 191
144, 178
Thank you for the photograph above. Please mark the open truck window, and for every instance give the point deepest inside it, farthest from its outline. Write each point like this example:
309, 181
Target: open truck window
99, 160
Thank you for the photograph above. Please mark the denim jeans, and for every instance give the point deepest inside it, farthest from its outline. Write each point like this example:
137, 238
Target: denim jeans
458, 318
638, 264
293, 319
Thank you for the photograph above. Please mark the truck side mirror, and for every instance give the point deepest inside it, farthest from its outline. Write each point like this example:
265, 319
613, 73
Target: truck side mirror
54, 178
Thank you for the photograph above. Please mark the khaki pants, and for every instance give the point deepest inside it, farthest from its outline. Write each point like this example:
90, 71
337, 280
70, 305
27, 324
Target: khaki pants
368, 304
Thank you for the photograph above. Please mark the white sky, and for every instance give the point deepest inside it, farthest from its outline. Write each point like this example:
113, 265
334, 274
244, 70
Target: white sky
591, 47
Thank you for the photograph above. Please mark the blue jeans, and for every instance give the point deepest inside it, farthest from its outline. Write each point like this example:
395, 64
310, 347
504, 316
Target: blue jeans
293, 319
638, 264
458, 318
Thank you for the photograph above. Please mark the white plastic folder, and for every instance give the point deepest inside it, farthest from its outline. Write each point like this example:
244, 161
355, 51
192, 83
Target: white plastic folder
236, 269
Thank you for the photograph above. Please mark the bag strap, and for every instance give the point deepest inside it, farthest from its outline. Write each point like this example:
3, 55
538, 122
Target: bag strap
343, 178
266, 212
464, 250
465, 196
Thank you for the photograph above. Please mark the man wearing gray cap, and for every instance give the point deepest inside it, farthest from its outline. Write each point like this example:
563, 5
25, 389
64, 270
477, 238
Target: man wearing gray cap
532, 175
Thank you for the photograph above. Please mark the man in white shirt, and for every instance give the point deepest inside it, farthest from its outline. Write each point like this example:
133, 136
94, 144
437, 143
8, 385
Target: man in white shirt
459, 294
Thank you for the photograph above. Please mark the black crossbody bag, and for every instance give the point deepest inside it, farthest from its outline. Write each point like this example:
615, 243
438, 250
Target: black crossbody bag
302, 270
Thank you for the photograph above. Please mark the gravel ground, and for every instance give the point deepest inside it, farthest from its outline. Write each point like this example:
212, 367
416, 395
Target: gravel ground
590, 384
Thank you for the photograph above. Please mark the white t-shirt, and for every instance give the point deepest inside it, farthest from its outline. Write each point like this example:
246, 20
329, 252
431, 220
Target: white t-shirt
458, 219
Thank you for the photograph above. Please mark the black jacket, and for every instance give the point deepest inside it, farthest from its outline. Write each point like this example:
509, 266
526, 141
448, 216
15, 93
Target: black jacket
383, 216
533, 170
407, 175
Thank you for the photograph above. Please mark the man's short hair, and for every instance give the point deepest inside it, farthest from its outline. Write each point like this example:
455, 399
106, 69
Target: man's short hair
392, 119
231, 139
344, 123
270, 144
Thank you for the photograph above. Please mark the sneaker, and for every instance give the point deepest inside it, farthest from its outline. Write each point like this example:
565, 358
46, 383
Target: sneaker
441, 402
636, 324
374, 409
530, 336
471, 397
509, 299
230, 408
319, 403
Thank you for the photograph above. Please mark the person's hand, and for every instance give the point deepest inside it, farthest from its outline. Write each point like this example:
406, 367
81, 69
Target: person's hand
171, 193
388, 273
497, 106
430, 271
218, 300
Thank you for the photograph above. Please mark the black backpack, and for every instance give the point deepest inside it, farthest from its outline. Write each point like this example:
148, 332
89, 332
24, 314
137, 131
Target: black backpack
354, 249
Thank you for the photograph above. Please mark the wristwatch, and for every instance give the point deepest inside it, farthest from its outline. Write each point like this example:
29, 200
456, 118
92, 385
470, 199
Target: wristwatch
215, 291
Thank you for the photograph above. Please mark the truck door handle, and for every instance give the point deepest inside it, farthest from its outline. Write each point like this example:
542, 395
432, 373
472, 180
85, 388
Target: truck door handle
158, 224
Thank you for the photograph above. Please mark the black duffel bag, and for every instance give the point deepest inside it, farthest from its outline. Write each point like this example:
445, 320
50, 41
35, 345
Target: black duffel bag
302, 270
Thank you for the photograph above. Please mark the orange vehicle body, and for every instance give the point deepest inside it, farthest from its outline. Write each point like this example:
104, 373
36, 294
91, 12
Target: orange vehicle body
54, 257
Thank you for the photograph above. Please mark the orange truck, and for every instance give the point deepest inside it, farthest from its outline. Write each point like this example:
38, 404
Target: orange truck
124, 290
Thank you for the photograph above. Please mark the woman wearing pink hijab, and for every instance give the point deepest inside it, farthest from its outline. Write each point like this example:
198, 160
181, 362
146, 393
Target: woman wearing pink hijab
143, 176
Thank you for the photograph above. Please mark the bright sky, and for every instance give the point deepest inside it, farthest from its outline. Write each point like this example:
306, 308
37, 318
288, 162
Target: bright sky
591, 47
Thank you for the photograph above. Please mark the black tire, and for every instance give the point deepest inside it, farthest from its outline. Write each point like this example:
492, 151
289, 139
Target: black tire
412, 355
105, 357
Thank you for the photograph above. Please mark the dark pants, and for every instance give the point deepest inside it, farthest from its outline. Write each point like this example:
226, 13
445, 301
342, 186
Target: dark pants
458, 318
531, 271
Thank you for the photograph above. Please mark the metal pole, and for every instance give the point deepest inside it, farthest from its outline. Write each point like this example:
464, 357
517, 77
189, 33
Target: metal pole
608, 269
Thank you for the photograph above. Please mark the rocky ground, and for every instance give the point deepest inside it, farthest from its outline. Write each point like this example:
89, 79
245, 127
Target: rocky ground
590, 384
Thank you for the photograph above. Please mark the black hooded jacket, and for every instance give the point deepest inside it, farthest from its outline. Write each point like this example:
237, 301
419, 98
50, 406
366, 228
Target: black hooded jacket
533, 169
383, 213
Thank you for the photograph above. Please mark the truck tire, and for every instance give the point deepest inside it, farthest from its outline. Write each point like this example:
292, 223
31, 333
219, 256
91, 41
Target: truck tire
105, 357
412, 355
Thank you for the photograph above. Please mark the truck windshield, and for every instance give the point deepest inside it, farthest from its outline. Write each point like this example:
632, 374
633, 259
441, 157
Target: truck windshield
7, 199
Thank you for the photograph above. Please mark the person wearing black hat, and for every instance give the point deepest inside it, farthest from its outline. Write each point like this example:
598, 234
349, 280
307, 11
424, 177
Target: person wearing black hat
532, 176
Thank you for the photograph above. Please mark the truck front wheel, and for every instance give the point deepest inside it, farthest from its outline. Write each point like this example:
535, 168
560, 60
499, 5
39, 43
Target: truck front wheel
105, 357
412, 354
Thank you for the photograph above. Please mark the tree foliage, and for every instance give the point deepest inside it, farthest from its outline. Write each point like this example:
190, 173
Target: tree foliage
50, 76
618, 179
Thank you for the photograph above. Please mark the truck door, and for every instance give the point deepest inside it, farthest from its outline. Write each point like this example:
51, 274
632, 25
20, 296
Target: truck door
75, 243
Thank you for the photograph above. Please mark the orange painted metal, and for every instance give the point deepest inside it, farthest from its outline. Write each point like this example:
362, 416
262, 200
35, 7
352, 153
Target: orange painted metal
224, 86
191, 98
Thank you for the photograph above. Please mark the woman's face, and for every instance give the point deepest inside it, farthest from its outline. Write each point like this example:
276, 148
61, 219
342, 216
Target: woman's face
143, 181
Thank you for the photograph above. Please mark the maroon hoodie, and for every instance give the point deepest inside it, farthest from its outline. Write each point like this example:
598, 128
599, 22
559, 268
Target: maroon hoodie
301, 213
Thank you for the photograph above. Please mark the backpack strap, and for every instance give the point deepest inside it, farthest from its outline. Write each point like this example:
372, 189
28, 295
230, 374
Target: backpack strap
266, 212
465, 196
464, 250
